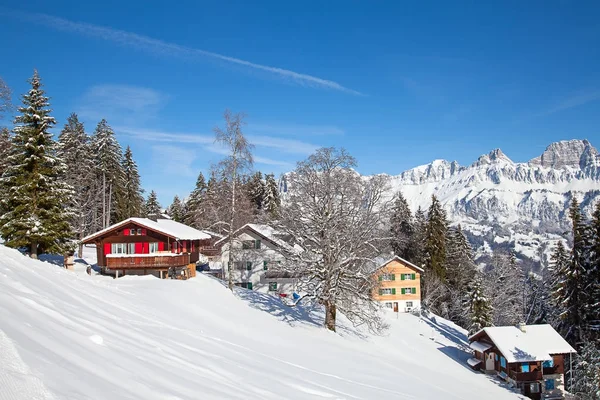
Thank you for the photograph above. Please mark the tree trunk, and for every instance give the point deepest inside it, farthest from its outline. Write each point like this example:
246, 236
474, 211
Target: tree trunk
103, 200
110, 193
230, 262
330, 311
33, 253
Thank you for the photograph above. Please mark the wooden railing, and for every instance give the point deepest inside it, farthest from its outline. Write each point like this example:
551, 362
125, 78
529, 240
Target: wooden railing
147, 261
526, 376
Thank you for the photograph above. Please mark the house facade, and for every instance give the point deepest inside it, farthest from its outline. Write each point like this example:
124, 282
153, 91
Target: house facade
399, 285
141, 246
257, 250
530, 357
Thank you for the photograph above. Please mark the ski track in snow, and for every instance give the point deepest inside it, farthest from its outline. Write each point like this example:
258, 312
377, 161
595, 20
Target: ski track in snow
16, 380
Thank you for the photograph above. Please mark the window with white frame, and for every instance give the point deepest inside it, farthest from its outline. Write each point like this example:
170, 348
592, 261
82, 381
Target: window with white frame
388, 305
534, 387
408, 277
387, 277
118, 248
130, 248
409, 304
153, 247
386, 291
408, 290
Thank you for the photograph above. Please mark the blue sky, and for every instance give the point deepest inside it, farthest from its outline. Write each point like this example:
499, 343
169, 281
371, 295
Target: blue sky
396, 83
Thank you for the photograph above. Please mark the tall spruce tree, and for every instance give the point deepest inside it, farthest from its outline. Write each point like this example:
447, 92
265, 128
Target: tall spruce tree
570, 273
195, 203
75, 150
592, 281
176, 210
33, 205
131, 200
256, 190
109, 172
402, 229
271, 202
5, 148
419, 237
459, 260
586, 372
152, 206
480, 308
435, 241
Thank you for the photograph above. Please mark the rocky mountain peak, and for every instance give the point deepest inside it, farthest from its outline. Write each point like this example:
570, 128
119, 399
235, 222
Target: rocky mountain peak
567, 153
494, 156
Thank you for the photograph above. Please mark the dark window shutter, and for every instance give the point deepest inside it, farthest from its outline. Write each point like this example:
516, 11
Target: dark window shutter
380, 292
393, 277
257, 244
265, 265
249, 265
401, 277
413, 276
403, 291
249, 285
380, 278
245, 245
414, 290
393, 290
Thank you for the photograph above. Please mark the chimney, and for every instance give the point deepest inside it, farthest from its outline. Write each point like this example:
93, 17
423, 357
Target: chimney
522, 327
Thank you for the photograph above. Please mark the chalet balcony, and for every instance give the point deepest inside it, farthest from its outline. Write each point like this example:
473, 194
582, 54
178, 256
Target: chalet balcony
146, 261
556, 369
526, 376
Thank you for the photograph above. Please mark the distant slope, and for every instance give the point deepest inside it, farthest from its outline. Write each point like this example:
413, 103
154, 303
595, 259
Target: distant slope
67, 335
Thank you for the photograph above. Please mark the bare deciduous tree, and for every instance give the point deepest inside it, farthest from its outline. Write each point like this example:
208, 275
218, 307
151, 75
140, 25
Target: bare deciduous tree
238, 161
5, 98
339, 219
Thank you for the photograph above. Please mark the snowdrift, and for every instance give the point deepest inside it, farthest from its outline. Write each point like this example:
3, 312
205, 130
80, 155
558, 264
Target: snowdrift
67, 335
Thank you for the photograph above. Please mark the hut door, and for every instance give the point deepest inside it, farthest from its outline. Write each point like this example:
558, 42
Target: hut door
395, 306
489, 362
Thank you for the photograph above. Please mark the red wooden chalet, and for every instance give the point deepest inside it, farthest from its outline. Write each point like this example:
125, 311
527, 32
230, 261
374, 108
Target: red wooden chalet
140, 246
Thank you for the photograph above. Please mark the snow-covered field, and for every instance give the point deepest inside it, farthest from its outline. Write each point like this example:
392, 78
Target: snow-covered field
68, 335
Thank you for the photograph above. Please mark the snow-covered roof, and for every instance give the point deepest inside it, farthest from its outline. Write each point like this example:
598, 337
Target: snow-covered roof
167, 227
473, 362
267, 232
480, 347
533, 343
403, 261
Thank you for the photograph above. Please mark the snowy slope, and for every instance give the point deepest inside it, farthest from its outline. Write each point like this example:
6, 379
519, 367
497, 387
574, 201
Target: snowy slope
503, 203
67, 335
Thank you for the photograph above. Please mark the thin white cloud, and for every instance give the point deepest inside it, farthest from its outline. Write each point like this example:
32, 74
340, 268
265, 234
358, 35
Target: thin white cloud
160, 136
576, 100
162, 48
175, 160
207, 143
294, 130
120, 102
284, 145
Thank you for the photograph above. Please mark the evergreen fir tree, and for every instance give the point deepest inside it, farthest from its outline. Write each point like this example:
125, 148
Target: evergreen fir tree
271, 202
419, 237
131, 200
586, 372
74, 148
256, 190
109, 172
402, 229
592, 280
5, 148
480, 308
176, 210
570, 278
33, 205
435, 241
195, 203
152, 206
459, 260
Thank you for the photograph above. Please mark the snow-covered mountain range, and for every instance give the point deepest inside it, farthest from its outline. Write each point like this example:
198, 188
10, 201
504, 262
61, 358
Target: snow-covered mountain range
499, 202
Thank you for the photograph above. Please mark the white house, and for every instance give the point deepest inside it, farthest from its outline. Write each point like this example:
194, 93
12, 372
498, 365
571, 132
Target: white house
257, 250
